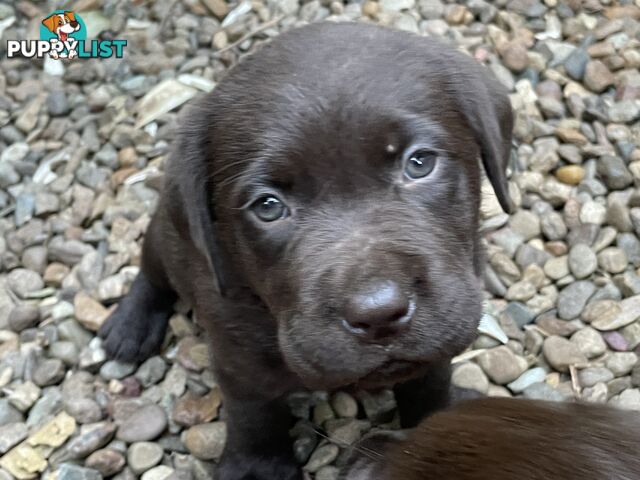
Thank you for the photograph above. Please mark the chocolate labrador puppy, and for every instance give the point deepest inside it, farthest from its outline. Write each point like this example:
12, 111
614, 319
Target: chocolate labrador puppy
506, 439
320, 214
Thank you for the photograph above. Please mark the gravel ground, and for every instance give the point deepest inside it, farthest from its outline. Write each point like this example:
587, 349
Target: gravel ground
82, 147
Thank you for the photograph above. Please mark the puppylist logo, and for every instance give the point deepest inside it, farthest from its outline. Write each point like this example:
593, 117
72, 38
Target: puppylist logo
63, 34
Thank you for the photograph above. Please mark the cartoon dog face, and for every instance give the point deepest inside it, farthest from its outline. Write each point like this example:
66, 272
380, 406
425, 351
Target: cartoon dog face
62, 24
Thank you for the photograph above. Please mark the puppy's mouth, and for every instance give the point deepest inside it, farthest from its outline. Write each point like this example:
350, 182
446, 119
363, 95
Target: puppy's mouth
63, 36
391, 372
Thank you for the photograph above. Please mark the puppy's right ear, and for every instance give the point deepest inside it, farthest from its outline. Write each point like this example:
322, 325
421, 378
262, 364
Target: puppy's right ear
189, 191
50, 23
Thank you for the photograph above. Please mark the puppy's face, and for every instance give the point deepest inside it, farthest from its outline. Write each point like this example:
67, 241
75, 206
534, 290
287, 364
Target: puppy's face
62, 24
346, 194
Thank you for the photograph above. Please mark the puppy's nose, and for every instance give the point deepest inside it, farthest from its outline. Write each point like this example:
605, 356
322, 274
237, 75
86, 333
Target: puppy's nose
73, 24
379, 311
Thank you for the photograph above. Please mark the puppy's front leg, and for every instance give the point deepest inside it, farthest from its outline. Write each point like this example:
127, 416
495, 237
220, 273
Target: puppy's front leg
258, 443
420, 397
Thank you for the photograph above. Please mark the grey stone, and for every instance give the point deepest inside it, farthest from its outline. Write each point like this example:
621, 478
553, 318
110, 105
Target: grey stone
151, 371
621, 363
23, 316
627, 400
561, 353
57, 103
543, 391
469, 375
344, 405
116, 370
8, 413
11, 434
589, 342
613, 260
588, 377
582, 261
572, 299
49, 372
501, 365
142, 456
631, 246
527, 379
68, 471
614, 172
23, 281
144, 424
553, 226
525, 223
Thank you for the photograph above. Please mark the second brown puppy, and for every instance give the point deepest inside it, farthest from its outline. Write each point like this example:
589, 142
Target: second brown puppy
507, 439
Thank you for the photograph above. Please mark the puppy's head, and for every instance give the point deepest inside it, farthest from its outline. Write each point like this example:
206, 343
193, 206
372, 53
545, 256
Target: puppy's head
341, 165
62, 24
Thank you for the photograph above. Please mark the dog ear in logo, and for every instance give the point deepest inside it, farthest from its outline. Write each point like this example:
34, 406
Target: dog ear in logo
62, 25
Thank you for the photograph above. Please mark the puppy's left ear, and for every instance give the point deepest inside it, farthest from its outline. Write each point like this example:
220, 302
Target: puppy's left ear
485, 104
50, 23
71, 16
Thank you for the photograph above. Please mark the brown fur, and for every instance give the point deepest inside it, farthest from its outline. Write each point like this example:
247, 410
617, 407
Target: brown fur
508, 439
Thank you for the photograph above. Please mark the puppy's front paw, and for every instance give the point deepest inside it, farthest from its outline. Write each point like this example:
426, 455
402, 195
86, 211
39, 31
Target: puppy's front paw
135, 331
73, 54
250, 467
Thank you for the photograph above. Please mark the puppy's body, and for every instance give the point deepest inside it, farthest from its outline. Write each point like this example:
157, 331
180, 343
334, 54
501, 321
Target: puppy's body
507, 439
368, 141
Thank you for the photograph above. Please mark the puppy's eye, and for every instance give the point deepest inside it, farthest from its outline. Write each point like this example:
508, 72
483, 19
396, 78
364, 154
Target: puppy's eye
269, 208
420, 163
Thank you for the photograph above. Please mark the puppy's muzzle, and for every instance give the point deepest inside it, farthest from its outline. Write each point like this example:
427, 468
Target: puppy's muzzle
378, 312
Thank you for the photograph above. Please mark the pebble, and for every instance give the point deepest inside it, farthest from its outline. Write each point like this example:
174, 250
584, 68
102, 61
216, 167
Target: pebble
627, 400
49, 372
11, 434
613, 260
116, 370
151, 371
192, 409
23, 282
572, 299
543, 391
597, 76
344, 405
142, 456
144, 424
589, 342
527, 379
590, 376
621, 363
23, 316
322, 456
582, 261
615, 316
161, 472
69, 471
206, 441
470, 375
89, 312
501, 365
561, 353
106, 461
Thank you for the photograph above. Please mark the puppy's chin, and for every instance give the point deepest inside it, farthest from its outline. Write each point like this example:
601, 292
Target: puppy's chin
351, 364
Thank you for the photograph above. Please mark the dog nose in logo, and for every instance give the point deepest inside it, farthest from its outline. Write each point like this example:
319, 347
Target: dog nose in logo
74, 24
381, 310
